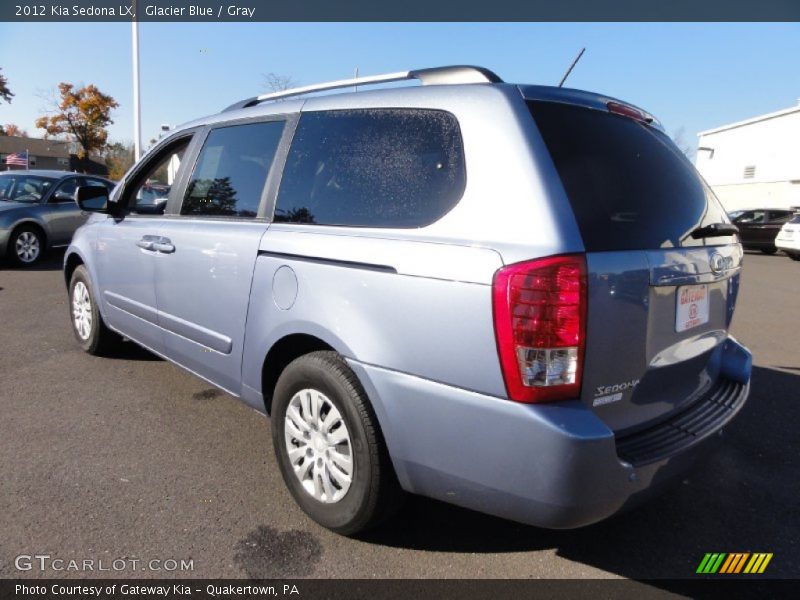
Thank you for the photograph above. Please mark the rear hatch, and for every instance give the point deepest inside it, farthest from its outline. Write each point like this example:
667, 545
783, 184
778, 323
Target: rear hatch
789, 235
660, 295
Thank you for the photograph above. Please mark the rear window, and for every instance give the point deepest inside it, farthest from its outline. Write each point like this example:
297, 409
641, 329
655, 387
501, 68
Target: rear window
628, 184
795, 220
372, 168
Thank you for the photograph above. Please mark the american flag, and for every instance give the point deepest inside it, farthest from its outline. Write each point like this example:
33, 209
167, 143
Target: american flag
19, 159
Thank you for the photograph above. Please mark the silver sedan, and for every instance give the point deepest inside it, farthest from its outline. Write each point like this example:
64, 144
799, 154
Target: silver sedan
38, 211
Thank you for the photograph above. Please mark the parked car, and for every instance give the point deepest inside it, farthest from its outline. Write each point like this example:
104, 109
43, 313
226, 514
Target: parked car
512, 298
38, 211
788, 238
758, 228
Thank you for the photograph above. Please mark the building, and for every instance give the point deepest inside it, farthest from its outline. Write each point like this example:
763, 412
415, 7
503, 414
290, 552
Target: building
754, 163
44, 154
48, 154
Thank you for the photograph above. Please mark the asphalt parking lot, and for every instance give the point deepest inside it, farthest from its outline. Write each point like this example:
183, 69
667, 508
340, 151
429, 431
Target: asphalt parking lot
131, 458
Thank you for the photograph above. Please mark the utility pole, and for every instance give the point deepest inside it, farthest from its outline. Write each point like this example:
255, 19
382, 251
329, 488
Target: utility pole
137, 109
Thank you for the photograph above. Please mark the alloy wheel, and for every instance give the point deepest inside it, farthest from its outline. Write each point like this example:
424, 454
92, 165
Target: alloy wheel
27, 246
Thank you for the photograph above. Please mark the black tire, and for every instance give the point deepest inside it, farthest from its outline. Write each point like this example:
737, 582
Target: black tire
98, 340
374, 493
794, 255
769, 250
26, 246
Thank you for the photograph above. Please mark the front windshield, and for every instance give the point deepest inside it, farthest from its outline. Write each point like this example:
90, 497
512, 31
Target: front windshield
24, 188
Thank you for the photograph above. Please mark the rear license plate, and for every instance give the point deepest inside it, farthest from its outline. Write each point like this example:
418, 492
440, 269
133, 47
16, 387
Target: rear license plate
692, 307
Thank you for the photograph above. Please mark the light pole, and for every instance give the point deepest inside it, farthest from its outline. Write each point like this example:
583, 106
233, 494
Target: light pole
137, 110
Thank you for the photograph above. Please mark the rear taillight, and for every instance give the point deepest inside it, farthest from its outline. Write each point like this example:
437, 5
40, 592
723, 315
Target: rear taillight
628, 111
540, 325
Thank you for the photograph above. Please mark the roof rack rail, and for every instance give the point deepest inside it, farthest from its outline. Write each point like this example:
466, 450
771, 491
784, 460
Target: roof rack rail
438, 75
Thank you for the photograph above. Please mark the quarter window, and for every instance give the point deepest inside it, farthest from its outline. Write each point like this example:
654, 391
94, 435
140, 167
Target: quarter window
372, 168
232, 170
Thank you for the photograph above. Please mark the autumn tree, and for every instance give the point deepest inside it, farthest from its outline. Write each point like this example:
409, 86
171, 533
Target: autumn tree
5, 93
118, 158
81, 114
13, 130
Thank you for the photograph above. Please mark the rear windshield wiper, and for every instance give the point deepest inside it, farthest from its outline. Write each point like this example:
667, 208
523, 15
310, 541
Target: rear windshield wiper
715, 230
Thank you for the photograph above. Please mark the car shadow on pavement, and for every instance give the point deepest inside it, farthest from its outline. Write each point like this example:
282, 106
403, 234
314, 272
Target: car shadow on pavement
52, 261
741, 498
128, 350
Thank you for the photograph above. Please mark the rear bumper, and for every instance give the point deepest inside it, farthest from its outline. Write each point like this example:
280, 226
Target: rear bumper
792, 245
554, 466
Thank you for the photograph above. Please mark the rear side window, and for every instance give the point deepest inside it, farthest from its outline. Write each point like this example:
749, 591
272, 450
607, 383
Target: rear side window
795, 220
232, 170
628, 184
372, 168
780, 216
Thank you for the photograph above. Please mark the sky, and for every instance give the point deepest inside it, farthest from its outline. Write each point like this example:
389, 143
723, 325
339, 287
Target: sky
691, 76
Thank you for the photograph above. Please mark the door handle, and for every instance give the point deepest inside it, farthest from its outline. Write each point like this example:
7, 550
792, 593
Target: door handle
146, 243
164, 245
156, 243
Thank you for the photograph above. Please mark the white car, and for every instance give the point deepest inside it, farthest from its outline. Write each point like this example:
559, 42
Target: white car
788, 238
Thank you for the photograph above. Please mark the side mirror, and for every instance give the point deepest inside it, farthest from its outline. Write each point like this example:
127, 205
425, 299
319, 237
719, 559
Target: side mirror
94, 199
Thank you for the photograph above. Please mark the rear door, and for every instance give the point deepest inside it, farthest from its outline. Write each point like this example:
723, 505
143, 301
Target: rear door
751, 226
659, 300
208, 247
62, 213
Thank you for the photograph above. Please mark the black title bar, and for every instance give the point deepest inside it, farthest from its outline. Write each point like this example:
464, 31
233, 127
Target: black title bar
407, 10
392, 589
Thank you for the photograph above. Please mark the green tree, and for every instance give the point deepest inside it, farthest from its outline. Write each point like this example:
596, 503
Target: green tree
5, 93
211, 197
82, 114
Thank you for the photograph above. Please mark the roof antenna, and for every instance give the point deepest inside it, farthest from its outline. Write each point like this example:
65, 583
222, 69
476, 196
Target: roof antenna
572, 66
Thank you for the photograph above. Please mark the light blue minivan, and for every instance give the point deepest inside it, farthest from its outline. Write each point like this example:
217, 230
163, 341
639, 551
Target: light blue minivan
508, 297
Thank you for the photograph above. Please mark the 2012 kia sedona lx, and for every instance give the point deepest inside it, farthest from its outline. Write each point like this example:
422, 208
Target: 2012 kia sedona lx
512, 298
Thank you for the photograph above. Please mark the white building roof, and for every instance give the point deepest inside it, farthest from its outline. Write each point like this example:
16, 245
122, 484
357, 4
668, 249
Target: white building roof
750, 121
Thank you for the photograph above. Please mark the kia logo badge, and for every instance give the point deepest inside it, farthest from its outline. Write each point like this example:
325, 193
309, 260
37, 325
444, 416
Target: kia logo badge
719, 263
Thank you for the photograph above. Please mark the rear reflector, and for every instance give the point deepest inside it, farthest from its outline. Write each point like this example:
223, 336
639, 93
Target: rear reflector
540, 324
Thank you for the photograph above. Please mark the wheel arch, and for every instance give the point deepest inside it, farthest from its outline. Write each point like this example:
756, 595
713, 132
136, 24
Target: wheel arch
71, 262
297, 343
280, 354
29, 222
